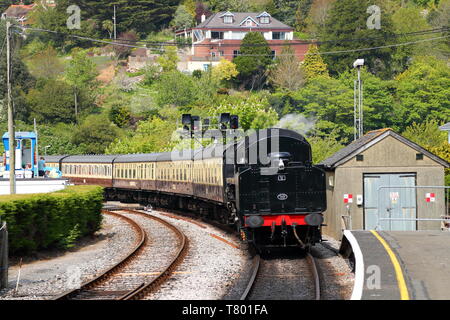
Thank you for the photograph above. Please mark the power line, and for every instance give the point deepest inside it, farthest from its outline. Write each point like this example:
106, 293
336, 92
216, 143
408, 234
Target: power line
301, 54
141, 43
349, 51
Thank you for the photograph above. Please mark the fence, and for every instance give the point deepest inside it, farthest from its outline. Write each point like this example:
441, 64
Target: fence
413, 207
3, 256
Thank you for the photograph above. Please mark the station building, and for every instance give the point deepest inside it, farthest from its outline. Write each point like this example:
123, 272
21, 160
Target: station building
384, 181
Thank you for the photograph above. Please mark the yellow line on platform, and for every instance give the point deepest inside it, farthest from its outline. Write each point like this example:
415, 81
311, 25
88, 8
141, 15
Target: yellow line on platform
404, 295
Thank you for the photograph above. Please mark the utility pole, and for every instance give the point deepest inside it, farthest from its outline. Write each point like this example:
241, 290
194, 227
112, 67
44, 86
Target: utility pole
114, 18
12, 135
76, 105
358, 101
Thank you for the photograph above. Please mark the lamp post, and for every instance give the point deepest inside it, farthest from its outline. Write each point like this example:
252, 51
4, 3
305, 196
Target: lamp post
45, 149
358, 101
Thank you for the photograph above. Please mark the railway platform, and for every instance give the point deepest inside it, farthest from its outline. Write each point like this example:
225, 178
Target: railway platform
399, 265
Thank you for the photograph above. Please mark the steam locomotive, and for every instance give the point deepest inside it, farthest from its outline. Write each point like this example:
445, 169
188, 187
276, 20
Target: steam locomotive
264, 184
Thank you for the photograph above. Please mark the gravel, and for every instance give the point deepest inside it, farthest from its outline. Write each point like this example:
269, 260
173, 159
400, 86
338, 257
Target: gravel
210, 267
45, 278
337, 278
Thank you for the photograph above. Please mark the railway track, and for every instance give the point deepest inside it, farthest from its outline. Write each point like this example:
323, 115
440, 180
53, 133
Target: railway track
279, 279
131, 278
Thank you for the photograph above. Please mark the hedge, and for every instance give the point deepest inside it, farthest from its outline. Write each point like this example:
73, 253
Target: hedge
51, 220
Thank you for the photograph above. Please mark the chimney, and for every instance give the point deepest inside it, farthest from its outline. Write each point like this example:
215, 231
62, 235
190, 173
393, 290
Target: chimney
203, 17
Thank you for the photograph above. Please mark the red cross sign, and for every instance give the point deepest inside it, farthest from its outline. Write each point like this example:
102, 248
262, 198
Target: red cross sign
348, 198
430, 197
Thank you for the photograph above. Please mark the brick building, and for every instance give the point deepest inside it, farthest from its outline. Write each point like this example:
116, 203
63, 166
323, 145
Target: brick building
220, 36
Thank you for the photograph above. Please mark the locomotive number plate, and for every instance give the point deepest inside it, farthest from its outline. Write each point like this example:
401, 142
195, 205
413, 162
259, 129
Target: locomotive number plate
282, 196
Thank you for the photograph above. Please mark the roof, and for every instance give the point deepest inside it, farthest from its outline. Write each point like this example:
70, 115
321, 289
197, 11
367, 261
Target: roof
52, 159
21, 135
18, 11
92, 158
215, 21
445, 127
369, 140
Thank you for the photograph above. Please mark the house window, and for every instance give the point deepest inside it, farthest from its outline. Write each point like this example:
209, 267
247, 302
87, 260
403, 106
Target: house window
278, 35
228, 19
236, 35
264, 20
273, 54
359, 157
236, 53
206, 66
419, 156
216, 35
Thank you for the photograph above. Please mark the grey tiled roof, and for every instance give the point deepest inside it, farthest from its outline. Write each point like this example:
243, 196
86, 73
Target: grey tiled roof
356, 145
352, 147
215, 21
445, 127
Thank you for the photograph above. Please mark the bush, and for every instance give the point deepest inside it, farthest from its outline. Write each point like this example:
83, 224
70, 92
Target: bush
49, 220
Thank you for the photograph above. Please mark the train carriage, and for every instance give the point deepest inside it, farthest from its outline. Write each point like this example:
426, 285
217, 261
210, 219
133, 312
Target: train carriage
89, 169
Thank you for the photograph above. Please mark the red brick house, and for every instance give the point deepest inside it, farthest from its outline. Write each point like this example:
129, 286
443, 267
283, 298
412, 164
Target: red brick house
220, 36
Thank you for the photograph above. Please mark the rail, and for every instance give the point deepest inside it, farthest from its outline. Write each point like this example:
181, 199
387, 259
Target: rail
256, 268
70, 294
165, 274
143, 288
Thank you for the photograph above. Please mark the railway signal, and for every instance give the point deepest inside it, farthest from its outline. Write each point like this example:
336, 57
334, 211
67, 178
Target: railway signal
224, 120
234, 122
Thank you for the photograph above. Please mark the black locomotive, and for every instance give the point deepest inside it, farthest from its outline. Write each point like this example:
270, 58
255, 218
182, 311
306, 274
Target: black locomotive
265, 184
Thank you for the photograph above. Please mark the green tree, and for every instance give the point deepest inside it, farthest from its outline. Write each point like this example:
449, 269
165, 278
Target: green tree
21, 79
52, 101
254, 112
183, 18
255, 57
313, 64
286, 73
55, 19
405, 20
348, 19
302, 13
323, 147
142, 15
81, 74
119, 115
330, 102
45, 64
426, 134
176, 88
95, 134
422, 92
225, 70
153, 135
169, 59
108, 26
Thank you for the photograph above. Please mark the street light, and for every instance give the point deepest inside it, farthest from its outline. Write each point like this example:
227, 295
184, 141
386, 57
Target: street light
45, 149
358, 111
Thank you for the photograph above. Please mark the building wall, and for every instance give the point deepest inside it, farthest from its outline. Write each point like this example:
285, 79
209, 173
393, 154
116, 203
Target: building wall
206, 47
387, 156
